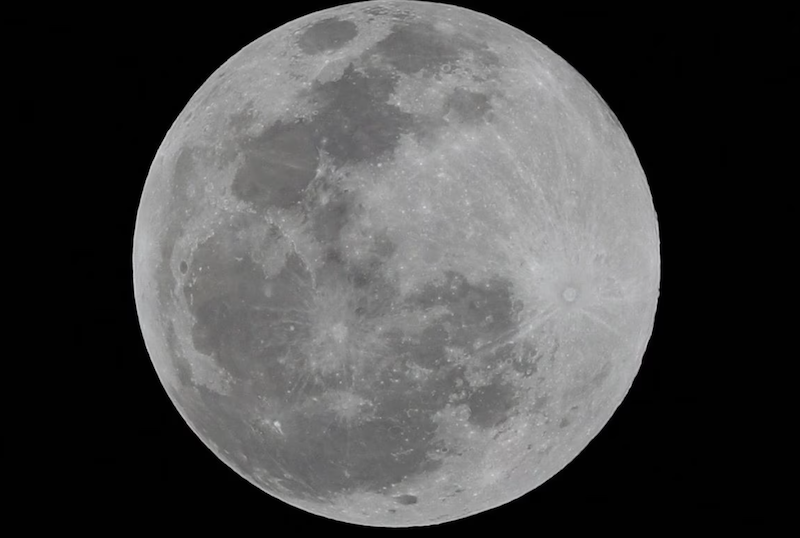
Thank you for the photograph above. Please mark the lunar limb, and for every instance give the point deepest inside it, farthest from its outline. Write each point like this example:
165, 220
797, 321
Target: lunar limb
396, 263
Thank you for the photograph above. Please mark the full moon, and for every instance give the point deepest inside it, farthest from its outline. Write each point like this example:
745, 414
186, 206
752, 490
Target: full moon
396, 263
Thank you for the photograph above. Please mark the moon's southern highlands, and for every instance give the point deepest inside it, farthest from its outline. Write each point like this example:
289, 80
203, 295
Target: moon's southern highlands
396, 263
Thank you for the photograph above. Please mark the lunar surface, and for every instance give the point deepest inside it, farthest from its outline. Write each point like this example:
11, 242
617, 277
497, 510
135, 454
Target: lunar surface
396, 263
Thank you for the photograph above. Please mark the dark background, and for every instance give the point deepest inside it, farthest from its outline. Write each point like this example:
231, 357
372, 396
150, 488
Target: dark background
704, 97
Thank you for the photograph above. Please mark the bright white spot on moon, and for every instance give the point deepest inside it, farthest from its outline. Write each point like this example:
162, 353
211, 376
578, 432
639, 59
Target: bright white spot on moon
570, 294
339, 332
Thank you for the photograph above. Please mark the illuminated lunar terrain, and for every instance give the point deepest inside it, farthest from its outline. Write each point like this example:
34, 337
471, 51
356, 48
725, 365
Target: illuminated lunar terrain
396, 263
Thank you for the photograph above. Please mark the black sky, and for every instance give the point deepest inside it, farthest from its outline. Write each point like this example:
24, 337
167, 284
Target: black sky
704, 98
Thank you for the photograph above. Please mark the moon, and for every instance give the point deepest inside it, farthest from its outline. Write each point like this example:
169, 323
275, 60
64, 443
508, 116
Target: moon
396, 263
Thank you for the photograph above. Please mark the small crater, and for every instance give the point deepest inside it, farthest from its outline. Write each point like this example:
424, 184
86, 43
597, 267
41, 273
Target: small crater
184, 267
569, 294
406, 499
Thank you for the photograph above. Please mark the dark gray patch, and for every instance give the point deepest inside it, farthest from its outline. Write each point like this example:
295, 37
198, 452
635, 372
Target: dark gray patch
406, 499
334, 457
366, 274
179, 365
419, 46
384, 12
490, 405
383, 246
245, 330
526, 362
278, 165
467, 106
430, 395
374, 294
540, 403
327, 35
484, 311
183, 267
569, 416
477, 314
355, 122
241, 120
320, 454
600, 377
430, 352
587, 387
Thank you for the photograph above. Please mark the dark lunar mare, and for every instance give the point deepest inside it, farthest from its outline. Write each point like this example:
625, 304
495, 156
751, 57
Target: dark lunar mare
418, 46
327, 35
468, 106
477, 316
259, 340
259, 337
354, 124
354, 121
